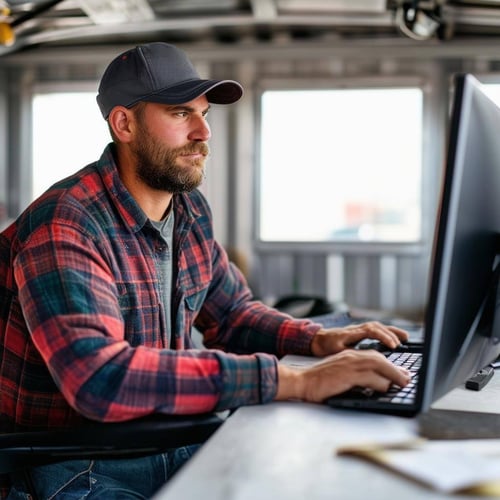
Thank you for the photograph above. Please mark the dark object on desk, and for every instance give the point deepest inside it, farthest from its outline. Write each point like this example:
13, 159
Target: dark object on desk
305, 306
480, 379
22, 450
453, 424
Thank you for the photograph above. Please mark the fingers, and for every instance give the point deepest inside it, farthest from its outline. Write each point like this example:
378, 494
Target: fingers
332, 340
391, 336
348, 369
402, 335
387, 372
373, 370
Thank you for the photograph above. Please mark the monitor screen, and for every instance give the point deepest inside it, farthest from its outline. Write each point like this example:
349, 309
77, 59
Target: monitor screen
462, 302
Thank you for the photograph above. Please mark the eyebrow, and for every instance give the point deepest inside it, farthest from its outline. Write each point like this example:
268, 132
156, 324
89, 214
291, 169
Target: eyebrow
181, 107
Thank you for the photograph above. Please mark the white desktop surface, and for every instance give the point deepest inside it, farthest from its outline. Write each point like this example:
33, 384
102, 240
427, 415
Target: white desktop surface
286, 451
485, 401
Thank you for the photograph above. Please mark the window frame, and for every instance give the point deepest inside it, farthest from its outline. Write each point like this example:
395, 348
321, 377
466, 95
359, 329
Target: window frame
58, 87
342, 247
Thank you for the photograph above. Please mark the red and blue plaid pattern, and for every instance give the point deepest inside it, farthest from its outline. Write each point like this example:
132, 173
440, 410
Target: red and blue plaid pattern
82, 324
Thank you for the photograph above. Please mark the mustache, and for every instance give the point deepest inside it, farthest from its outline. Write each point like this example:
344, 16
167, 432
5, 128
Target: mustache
194, 147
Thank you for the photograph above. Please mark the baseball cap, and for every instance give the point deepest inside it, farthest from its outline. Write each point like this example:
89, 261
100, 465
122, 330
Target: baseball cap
158, 72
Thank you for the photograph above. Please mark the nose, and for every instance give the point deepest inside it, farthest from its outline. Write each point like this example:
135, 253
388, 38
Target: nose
200, 130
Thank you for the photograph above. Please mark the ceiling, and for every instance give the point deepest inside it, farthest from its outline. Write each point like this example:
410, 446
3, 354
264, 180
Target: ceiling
25, 24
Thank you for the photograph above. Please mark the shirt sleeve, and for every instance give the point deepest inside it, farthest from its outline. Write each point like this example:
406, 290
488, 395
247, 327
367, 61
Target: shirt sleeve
232, 321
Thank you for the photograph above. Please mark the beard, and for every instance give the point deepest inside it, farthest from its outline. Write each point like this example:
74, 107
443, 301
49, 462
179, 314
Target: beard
157, 164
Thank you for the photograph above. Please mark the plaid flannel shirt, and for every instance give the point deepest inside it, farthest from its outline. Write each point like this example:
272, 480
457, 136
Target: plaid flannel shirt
84, 333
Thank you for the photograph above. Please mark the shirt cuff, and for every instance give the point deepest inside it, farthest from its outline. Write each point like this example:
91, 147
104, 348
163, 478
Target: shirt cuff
247, 380
296, 337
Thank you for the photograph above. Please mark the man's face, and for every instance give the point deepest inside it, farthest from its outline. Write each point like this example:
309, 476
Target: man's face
170, 145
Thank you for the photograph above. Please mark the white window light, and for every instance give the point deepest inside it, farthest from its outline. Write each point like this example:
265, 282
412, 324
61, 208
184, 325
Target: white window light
117, 11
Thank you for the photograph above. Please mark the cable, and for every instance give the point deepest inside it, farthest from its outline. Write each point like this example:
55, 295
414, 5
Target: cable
7, 35
34, 12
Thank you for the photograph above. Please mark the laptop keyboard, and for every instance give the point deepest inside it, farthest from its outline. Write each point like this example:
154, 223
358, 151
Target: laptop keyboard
404, 356
403, 395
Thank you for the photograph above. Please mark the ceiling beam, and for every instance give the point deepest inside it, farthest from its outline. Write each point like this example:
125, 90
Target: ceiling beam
80, 34
388, 48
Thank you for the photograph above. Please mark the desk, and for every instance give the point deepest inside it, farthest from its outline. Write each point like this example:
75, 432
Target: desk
285, 451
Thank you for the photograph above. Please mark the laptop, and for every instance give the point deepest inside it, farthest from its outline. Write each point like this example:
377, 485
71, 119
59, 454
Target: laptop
409, 355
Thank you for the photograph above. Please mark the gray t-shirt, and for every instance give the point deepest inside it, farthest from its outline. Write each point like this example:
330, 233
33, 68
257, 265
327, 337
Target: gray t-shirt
166, 229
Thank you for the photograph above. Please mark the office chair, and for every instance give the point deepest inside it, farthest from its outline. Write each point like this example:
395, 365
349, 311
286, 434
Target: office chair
147, 436
20, 451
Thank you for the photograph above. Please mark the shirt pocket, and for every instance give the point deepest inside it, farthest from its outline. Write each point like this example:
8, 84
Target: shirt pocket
140, 311
194, 301
189, 308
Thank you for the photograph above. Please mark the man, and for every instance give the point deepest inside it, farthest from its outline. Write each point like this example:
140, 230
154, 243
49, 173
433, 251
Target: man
109, 271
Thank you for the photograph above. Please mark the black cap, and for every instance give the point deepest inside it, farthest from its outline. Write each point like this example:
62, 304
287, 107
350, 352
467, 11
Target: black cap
159, 72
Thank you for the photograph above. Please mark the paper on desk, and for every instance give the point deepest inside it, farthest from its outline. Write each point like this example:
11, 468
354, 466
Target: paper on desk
463, 466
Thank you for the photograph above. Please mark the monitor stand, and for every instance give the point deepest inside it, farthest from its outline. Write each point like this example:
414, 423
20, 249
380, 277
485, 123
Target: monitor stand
456, 424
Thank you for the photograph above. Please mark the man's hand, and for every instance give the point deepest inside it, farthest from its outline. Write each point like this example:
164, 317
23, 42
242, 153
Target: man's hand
333, 340
338, 373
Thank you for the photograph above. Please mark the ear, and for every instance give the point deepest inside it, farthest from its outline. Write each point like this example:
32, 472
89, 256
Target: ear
120, 120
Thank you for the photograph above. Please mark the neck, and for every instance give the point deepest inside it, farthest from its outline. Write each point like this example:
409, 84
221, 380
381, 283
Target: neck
154, 203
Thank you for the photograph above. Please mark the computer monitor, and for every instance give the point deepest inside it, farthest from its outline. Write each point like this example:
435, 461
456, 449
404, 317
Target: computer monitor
463, 302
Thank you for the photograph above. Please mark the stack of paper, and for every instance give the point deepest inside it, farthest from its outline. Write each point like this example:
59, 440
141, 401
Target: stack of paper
450, 466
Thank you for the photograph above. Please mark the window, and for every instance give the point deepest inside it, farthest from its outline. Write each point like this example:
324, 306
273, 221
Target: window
493, 91
68, 133
341, 165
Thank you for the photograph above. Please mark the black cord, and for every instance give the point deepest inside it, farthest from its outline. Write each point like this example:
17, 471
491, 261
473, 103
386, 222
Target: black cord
35, 12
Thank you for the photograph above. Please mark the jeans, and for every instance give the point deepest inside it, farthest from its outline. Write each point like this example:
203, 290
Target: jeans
137, 478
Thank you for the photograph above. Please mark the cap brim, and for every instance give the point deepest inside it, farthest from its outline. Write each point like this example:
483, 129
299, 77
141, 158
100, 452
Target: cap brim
217, 92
